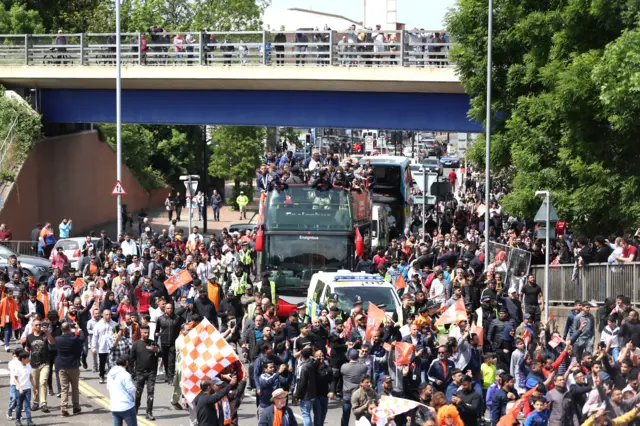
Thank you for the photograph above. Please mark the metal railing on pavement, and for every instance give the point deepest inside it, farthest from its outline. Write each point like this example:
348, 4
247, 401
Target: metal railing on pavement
595, 281
244, 48
27, 248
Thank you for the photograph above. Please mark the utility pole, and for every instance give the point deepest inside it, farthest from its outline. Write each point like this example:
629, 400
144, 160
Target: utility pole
487, 170
118, 120
205, 173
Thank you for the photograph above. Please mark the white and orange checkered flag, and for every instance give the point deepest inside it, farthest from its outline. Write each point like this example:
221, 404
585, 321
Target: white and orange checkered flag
389, 407
204, 355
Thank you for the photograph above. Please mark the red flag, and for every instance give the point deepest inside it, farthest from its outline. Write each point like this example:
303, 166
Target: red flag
77, 285
403, 353
375, 317
400, 283
454, 313
555, 341
526, 336
178, 280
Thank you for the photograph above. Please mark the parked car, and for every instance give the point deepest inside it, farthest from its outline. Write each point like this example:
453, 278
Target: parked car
450, 161
432, 165
38, 267
249, 226
72, 248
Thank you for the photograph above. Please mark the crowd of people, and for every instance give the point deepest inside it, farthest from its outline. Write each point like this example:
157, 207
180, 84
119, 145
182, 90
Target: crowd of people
116, 317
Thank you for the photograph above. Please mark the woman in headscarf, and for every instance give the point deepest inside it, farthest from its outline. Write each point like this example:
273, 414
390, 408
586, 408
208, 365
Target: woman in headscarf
111, 304
507, 346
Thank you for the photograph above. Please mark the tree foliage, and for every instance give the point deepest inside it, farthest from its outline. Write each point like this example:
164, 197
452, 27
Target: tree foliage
20, 125
565, 81
236, 152
16, 19
156, 155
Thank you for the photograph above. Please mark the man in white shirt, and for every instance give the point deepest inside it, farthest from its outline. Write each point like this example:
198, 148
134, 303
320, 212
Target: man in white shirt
13, 392
91, 324
436, 292
24, 384
315, 161
196, 234
122, 393
101, 341
128, 246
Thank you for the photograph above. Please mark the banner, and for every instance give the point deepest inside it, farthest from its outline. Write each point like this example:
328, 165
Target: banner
178, 280
391, 406
204, 355
375, 317
403, 353
453, 314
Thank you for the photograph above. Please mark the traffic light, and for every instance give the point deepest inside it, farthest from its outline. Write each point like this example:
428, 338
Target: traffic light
284, 146
308, 138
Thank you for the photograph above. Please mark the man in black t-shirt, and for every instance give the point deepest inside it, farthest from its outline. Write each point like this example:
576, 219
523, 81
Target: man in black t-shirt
38, 344
144, 356
532, 298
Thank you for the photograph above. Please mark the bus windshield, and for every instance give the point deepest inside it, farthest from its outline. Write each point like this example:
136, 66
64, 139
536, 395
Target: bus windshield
305, 208
389, 179
293, 259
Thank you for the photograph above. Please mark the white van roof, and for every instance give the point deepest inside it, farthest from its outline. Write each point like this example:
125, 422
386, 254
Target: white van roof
345, 276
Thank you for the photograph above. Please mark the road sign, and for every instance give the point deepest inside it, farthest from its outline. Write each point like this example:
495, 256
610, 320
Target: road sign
368, 140
118, 189
541, 216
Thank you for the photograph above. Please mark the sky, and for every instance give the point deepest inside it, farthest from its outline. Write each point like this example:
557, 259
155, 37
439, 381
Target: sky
428, 14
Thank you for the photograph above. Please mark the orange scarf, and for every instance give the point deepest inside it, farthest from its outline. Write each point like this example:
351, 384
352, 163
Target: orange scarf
277, 417
8, 306
44, 298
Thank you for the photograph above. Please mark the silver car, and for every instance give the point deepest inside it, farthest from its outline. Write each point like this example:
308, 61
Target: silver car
38, 267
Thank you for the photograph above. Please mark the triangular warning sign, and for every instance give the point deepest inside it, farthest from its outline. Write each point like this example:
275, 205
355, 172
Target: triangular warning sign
118, 189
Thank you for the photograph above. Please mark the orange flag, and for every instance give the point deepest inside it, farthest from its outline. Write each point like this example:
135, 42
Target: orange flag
400, 283
403, 353
77, 285
178, 280
453, 313
510, 418
375, 317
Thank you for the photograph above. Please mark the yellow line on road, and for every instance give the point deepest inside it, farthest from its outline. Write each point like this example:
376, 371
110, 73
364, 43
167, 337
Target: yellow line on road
104, 401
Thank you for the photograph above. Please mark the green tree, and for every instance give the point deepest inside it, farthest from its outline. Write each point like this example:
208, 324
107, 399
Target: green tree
17, 19
236, 152
20, 126
563, 83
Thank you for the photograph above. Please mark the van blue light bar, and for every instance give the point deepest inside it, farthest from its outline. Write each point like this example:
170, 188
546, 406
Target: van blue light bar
358, 278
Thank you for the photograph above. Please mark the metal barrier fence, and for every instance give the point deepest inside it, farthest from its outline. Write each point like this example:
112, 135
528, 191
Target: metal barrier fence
595, 281
247, 48
21, 247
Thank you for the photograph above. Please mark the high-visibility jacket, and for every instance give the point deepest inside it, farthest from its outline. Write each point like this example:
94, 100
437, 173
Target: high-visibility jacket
272, 287
238, 284
245, 257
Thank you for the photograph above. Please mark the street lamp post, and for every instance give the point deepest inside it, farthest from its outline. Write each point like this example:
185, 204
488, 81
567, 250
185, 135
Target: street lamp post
118, 118
487, 171
547, 213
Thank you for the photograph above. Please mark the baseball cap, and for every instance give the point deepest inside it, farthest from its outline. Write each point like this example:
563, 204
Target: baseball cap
526, 316
386, 379
512, 290
216, 381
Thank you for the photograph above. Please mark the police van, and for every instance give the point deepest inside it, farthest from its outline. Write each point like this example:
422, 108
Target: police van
346, 285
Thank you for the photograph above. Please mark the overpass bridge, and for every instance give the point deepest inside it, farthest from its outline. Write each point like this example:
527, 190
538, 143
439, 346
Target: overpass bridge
312, 79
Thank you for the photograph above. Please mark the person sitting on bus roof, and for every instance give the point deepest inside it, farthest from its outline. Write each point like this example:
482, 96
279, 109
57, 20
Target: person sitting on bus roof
322, 180
340, 180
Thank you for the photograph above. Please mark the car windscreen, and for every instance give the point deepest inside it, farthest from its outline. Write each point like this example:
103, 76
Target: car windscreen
376, 295
6, 252
68, 245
